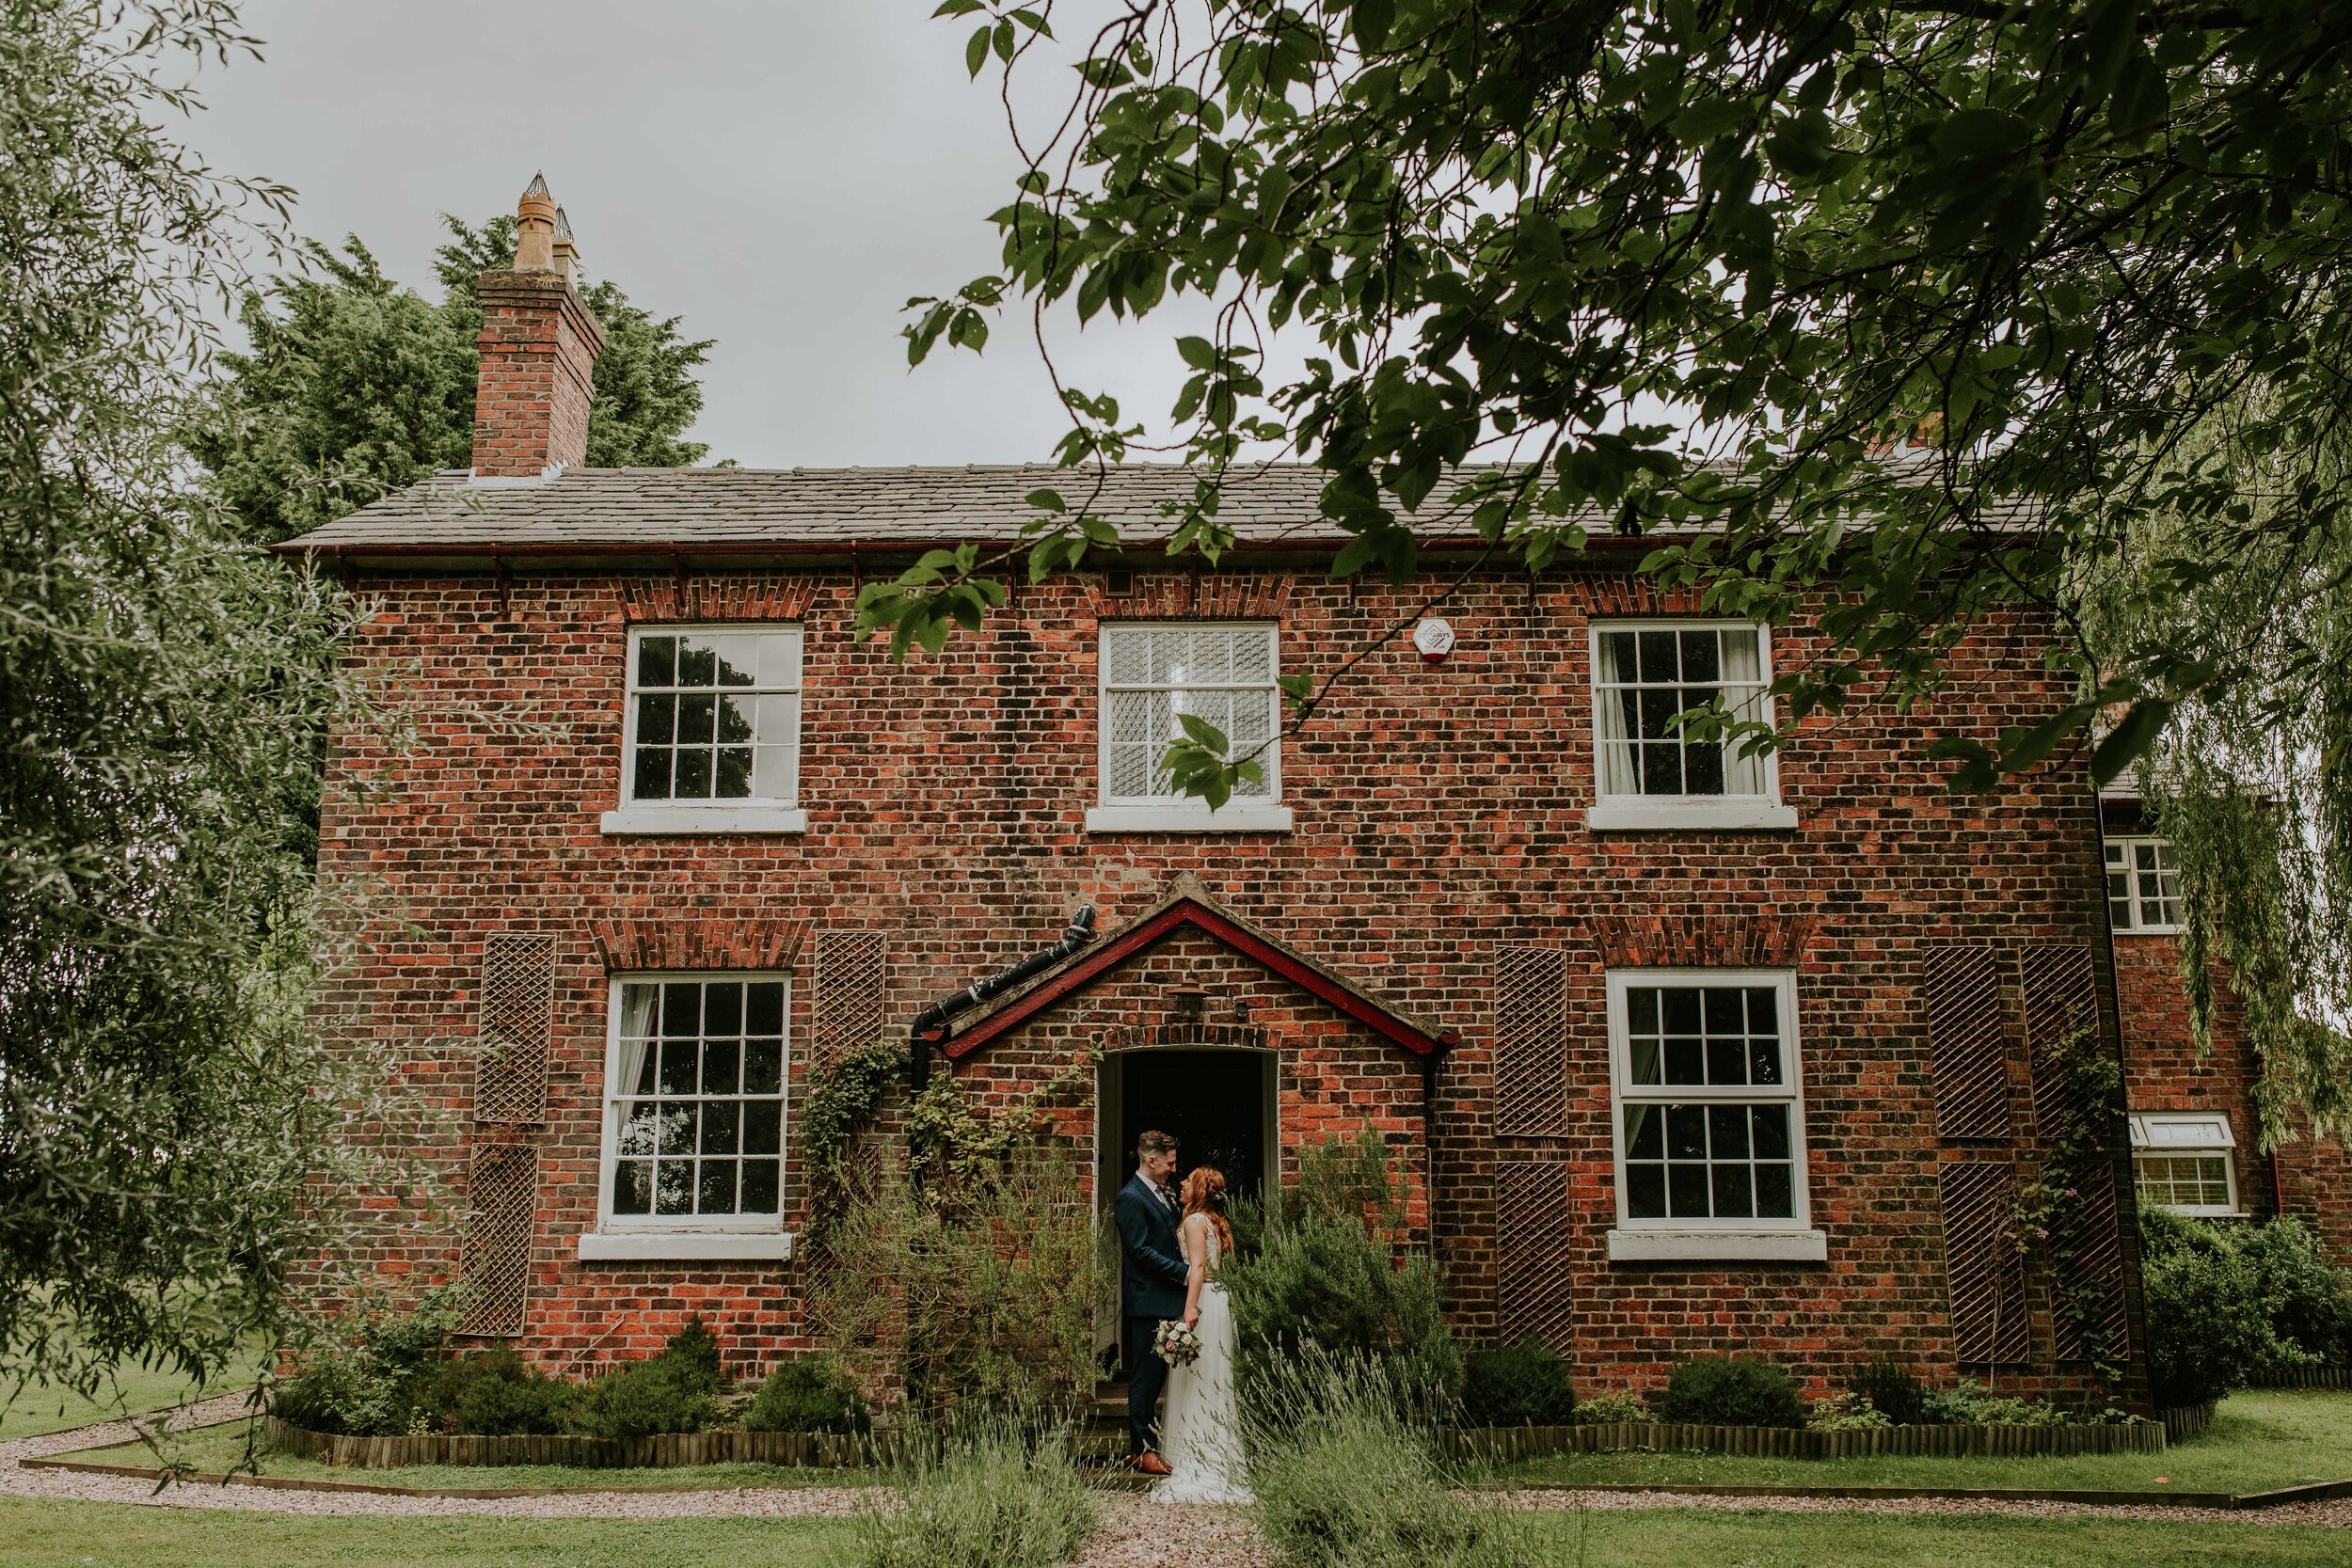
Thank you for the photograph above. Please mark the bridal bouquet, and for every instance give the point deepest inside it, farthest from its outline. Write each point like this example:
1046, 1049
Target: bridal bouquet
1176, 1345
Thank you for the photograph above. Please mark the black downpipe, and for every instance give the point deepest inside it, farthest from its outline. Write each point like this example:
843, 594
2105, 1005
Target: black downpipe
937, 1015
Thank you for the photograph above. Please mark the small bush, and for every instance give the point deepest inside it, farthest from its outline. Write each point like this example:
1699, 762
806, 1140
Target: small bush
495, 1393
1847, 1410
693, 1354
988, 1497
807, 1393
1712, 1390
674, 1390
1970, 1403
2307, 1299
1891, 1388
1611, 1407
1524, 1384
1333, 1271
362, 1381
1342, 1480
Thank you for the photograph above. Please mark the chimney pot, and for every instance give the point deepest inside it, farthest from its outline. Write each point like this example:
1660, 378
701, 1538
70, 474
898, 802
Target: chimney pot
566, 253
534, 228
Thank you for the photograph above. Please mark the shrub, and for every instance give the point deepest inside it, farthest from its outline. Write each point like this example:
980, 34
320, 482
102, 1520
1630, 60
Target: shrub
1970, 1403
494, 1393
2207, 1332
1847, 1410
1712, 1390
807, 1393
1611, 1407
1342, 1480
1333, 1272
674, 1390
2306, 1298
1525, 1383
1892, 1389
986, 1497
362, 1379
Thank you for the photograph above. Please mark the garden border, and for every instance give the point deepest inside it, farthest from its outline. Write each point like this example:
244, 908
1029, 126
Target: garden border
1962, 1442
798, 1450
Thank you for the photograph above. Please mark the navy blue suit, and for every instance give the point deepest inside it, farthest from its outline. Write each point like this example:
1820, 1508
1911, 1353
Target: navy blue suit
1151, 1290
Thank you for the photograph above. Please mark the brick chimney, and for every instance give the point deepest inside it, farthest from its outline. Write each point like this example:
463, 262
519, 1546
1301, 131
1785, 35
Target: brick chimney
538, 345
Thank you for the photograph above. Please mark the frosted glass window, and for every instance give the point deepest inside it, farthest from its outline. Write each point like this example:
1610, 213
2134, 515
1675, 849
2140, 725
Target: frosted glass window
1155, 674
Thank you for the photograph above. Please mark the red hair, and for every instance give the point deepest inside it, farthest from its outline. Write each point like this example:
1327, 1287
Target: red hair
1205, 1193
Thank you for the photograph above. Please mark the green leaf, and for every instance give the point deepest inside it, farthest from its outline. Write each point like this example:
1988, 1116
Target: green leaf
2130, 740
1370, 21
976, 51
1197, 351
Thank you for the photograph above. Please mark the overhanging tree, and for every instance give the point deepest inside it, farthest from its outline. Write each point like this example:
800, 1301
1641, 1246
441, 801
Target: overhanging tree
163, 684
1917, 310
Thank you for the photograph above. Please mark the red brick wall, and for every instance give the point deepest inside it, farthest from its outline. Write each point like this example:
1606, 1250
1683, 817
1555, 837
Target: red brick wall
538, 352
2166, 1071
1439, 813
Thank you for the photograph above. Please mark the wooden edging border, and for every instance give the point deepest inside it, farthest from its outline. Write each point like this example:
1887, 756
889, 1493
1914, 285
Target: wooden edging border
1953, 1442
2222, 1501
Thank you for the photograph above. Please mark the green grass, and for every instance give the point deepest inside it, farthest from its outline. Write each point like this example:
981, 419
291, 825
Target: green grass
210, 1450
1710, 1539
119, 1535
2260, 1440
131, 1391
106, 1535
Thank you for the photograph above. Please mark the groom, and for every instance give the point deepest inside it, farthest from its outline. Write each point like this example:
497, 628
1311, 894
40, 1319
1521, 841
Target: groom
1154, 1289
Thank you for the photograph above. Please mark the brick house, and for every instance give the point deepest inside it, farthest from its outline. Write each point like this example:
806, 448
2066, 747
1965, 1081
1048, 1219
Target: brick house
1679, 1050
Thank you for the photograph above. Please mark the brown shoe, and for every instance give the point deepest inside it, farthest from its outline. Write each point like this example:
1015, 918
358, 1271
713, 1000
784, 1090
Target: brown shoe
1149, 1464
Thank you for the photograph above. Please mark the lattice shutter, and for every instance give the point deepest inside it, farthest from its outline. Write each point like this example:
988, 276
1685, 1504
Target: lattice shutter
503, 1188
1968, 1038
1531, 1247
518, 1013
2061, 990
851, 988
1531, 1042
1982, 1266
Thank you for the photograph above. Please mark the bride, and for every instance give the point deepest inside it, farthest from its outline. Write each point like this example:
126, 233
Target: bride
1201, 1433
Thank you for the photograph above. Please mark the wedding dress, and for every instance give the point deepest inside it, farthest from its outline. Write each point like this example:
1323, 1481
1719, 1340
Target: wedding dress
1201, 1434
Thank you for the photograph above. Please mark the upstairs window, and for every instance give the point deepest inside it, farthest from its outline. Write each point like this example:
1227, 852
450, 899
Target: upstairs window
1643, 675
2143, 885
1153, 675
2185, 1162
694, 1103
714, 717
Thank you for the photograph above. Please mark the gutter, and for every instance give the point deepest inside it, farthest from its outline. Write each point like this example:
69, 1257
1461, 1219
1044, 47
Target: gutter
930, 1024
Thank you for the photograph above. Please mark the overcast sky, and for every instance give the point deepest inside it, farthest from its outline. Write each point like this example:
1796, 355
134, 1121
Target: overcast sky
783, 175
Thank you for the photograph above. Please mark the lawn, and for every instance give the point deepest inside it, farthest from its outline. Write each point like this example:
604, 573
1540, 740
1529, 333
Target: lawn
103, 1535
133, 1391
210, 1450
2260, 1440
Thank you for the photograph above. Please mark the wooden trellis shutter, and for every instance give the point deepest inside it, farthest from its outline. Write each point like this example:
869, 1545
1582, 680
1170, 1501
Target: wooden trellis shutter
1968, 1037
517, 1000
851, 991
2060, 982
1532, 1250
503, 1189
1531, 1042
1982, 1266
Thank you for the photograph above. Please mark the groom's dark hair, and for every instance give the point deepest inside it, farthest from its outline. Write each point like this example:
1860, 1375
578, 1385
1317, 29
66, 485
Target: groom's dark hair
1155, 1143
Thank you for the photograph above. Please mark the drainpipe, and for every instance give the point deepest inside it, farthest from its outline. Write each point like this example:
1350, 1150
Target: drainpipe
933, 1019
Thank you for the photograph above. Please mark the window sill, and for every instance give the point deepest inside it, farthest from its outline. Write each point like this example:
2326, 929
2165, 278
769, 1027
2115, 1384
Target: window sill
706, 820
1235, 817
637, 1246
1718, 1246
1636, 816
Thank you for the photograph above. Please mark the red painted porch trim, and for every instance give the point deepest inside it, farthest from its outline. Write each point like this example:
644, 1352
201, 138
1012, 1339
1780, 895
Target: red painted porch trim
1083, 973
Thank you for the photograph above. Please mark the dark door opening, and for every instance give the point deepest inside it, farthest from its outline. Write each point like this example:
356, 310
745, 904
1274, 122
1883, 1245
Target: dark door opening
1213, 1102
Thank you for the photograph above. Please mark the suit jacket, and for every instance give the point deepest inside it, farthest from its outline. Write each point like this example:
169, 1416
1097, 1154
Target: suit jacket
1153, 1282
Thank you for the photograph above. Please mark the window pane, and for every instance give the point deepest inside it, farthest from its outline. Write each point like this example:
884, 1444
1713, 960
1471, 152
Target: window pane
734, 779
1686, 1192
1726, 1060
1767, 1126
1727, 1132
1126, 656
657, 660
1659, 661
773, 773
697, 718
763, 1066
739, 658
721, 1059
779, 660
1642, 1007
1702, 764
673, 1187
632, 1187
698, 663
639, 1124
656, 720
776, 721
1699, 656
723, 1009
715, 1193
1617, 662
1644, 1132
1731, 1193
760, 1186
652, 780
1685, 1060
1645, 1063
679, 1148
735, 719
692, 782
1775, 1192
680, 1126
763, 1121
1686, 1132
1682, 1009
722, 1126
1645, 1191
763, 1007
1725, 1010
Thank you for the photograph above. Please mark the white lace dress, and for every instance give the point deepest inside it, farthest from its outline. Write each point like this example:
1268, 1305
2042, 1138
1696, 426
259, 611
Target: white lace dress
1201, 1434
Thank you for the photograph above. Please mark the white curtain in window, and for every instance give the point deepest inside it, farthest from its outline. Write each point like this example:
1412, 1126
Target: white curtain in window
629, 1065
1618, 773
1744, 694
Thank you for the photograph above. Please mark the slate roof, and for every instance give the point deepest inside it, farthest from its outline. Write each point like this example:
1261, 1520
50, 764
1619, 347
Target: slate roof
589, 507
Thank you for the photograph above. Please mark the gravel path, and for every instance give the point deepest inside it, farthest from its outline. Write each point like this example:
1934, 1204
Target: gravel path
1136, 1531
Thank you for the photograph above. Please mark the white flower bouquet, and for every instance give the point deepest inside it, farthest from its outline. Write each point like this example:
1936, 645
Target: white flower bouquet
1176, 1345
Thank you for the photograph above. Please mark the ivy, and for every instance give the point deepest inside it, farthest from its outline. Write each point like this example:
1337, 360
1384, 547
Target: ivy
842, 1097
2052, 1215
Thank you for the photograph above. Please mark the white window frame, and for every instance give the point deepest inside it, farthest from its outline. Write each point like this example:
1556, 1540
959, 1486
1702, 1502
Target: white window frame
750, 814
1791, 1240
2214, 1140
625, 1238
1174, 813
2126, 844
1668, 812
